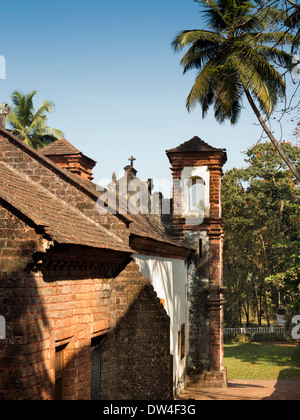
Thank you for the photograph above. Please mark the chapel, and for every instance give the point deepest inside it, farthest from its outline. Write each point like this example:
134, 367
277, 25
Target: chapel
108, 304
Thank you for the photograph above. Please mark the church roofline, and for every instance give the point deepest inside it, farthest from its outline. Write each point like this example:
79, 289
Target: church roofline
62, 147
90, 189
65, 174
194, 145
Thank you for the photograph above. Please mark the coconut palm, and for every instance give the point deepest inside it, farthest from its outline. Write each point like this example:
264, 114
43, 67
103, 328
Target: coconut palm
237, 57
30, 125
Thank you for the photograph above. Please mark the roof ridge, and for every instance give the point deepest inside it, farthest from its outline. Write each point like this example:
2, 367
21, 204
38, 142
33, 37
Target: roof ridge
74, 179
61, 202
62, 143
195, 144
88, 188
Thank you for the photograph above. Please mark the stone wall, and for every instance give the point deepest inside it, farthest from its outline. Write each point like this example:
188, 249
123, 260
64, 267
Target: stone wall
197, 309
51, 177
140, 339
50, 303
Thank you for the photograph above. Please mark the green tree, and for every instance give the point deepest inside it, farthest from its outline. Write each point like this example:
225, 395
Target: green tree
30, 125
261, 207
236, 58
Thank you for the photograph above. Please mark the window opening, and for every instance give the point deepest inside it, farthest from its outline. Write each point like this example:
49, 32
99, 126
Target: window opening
196, 186
182, 341
96, 350
59, 372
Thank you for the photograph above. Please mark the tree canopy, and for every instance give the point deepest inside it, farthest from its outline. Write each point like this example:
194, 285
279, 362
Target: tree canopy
30, 125
238, 54
261, 208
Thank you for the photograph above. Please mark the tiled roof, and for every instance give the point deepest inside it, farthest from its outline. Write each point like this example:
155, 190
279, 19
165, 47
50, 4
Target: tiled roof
63, 223
141, 225
62, 147
194, 145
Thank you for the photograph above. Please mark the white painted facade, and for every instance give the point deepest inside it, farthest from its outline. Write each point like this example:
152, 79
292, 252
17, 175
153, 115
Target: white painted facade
169, 277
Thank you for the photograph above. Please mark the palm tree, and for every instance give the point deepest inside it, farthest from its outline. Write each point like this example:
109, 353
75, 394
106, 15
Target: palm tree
30, 125
234, 59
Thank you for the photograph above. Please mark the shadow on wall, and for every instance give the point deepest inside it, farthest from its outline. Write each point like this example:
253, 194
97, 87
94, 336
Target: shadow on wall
140, 341
135, 361
26, 322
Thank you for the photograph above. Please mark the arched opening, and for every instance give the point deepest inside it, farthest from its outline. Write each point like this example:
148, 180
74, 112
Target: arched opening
196, 197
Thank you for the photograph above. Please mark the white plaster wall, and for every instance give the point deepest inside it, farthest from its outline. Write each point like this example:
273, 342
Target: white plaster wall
186, 174
169, 277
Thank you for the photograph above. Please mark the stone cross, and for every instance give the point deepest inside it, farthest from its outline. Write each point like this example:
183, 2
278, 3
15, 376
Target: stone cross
132, 159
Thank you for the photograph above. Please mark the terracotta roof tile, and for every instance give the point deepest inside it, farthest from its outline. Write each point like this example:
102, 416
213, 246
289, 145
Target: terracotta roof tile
143, 225
60, 147
194, 145
140, 225
61, 222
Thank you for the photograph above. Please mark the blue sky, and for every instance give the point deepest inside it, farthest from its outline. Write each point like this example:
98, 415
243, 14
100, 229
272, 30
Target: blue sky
116, 82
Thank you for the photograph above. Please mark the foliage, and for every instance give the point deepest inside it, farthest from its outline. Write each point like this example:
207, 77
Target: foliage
241, 54
262, 235
30, 125
242, 338
256, 337
233, 56
260, 337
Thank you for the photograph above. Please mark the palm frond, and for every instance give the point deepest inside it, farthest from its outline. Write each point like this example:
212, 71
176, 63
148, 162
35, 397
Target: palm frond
276, 55
37, 125
262, 79
13, 120
197, 56
28, 125
186, 38
214, 16
227, 99
296, 42
279, 38
234, 57
203, 89
46, 108
53, 132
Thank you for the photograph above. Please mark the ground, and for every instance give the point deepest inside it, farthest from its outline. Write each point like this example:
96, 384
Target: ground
256, 371
250, 390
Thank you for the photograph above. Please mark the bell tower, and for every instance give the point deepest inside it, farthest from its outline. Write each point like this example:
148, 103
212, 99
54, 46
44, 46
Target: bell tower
197, 220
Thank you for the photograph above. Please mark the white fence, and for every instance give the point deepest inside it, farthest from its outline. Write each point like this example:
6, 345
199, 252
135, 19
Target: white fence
258, 330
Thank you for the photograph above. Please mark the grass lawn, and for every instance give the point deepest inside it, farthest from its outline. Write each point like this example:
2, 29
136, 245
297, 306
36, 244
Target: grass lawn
266, 361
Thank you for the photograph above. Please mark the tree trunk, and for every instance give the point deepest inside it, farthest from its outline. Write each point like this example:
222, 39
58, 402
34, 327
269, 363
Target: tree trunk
267, 308
282, 153
258, 309
246, 310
